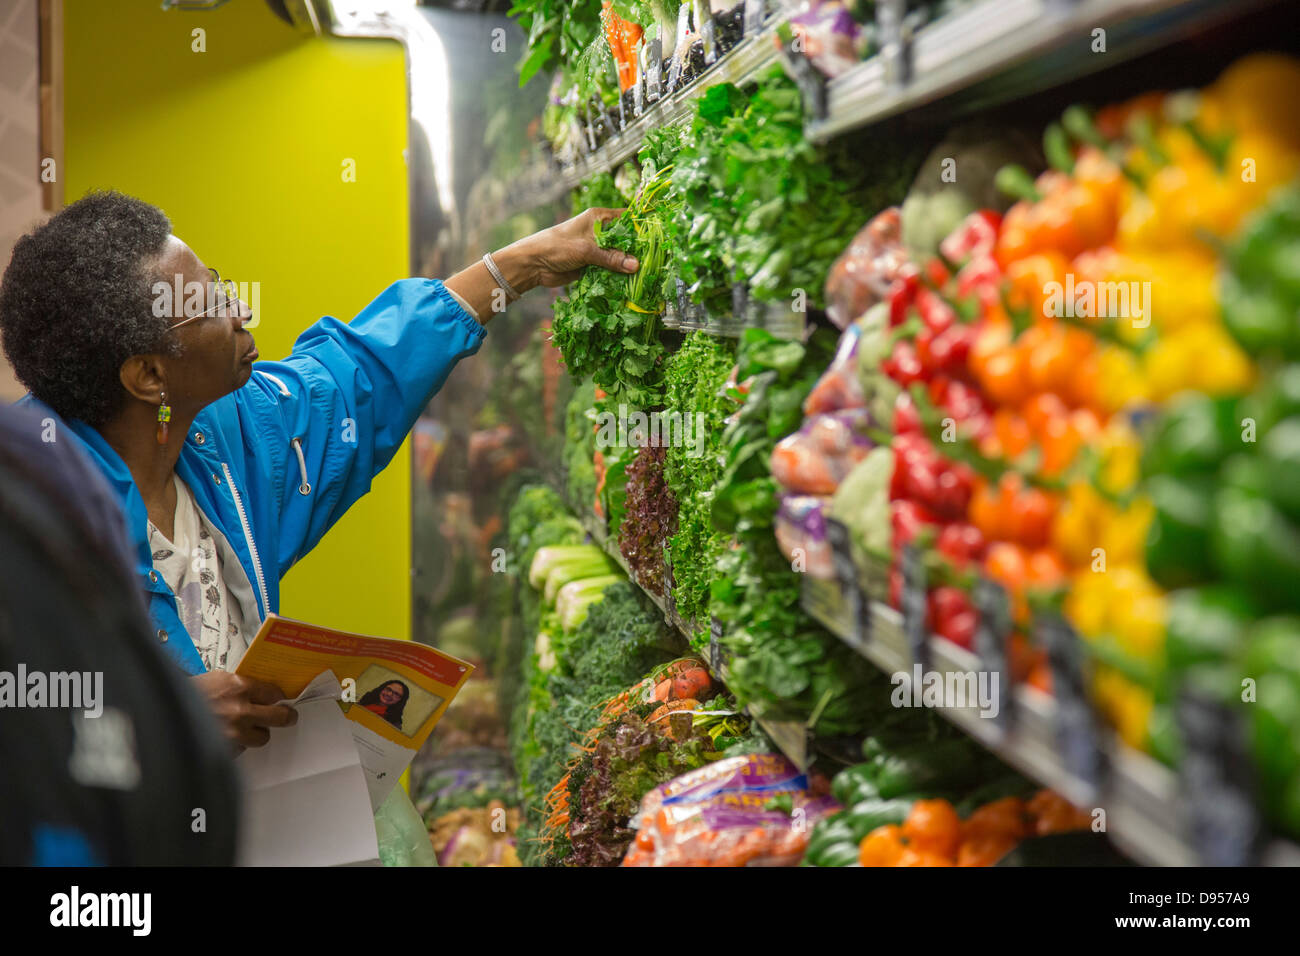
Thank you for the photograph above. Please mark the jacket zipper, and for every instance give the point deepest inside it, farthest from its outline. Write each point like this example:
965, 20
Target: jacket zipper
248, 536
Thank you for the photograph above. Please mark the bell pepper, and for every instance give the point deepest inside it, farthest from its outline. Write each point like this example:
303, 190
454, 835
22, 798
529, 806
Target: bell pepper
1272, 658
1279, 457
1178, 543
1126, 705
951, 615
975, 238
925, 766
1193, 434
1206, 625
1259, 319
1254, 545
1257, 92
866, 815
1204, 358
1278, 397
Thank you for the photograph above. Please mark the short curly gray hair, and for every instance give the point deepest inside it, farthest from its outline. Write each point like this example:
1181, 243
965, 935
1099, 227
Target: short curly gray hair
76, 302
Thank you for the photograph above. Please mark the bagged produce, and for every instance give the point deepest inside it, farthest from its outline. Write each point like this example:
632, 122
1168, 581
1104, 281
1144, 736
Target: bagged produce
830, 36
403, 839
839, 387
816, 458
862, 275
801, 534
743, 811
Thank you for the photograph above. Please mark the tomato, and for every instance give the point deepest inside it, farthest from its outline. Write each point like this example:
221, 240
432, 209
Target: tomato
933, 827
1045, 568
1005, 817
912, 857
1030, 517
883, 846
985, 850
1006, 564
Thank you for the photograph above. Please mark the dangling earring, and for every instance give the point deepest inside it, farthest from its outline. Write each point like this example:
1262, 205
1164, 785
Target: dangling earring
164, 416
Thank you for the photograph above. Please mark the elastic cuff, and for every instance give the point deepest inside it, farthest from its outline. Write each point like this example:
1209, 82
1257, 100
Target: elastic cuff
464, 305
467, 315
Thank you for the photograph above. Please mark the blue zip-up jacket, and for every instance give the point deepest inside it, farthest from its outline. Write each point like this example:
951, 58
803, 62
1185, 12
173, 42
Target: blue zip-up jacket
274, 464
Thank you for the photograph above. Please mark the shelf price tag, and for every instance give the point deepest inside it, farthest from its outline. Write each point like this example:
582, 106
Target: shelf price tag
654, 70
857, 609
1076, 726
753, 17
915, 587
680, 46
708, 30
638, 88
739, 301
1216, 771
591, 131
894, 46
718, 655
811, 83
992, 633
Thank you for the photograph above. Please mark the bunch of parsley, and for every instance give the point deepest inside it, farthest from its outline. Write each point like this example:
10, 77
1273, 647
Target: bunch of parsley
694, 380
608, 326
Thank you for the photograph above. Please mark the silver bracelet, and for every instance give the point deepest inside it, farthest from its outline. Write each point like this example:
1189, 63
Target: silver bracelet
500, 279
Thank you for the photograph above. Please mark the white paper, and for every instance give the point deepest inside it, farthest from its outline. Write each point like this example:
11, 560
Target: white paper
307, 801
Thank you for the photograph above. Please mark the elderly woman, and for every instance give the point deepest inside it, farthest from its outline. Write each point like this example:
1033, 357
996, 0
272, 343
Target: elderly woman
229, 470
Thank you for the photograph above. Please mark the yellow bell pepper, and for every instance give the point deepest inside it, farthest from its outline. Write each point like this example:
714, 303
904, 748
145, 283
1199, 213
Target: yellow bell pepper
1121, 452
1203, 357
1120, 380
1256, 95
1126, 705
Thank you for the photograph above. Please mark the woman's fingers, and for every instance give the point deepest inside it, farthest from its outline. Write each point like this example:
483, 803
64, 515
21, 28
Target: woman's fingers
262, 692
271, 715
615, 260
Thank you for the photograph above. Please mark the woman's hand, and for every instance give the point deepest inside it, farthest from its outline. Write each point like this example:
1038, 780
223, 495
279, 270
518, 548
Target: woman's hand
552, 257
557, 256
245, 708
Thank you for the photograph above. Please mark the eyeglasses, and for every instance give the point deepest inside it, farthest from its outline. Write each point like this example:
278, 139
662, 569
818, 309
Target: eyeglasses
227, 295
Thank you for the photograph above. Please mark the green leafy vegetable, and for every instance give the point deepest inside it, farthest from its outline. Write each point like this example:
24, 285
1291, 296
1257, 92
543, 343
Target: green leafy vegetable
694, 388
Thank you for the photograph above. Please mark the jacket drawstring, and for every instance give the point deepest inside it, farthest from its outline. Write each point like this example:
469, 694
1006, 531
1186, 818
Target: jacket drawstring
304, 487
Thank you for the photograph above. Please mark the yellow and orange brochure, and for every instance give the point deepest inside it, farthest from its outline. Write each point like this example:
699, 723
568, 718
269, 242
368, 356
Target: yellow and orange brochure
394, 692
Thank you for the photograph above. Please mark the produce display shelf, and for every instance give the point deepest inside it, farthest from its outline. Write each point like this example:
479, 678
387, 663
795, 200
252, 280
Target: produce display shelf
994, 37
1146, 815
790, 738
741, 64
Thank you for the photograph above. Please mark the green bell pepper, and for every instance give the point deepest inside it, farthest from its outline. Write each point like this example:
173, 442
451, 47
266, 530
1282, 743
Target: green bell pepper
1279, 453
1206, 625
854, 784
1194, 434
843, 853
1277, 397
925, 767
1178, 541
1255, 546
1275, 736
873, 812
1258, 318
1273, 646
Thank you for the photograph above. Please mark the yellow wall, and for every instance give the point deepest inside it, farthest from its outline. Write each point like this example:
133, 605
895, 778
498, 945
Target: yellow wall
243, 147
